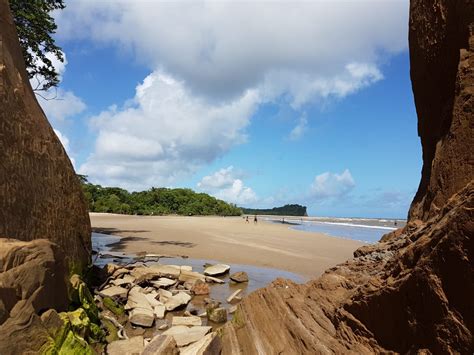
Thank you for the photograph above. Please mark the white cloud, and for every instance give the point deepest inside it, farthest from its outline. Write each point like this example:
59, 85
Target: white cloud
164, 134
213, 63
57, 103
332, 185
225, 185
300, 128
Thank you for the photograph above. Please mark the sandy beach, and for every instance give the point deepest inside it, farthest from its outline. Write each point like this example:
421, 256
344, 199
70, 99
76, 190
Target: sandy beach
228, 240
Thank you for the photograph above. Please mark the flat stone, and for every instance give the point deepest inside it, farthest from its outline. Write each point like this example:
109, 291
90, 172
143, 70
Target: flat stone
210, 344
181, 298
137, 299
211, 303
217, 315
232, 309
125, 280
200, 288
126, 347
143, 317
240, 276
192, 320
143, 273
233, 295
163, 282
151, 298
187, 276
164, 295
184, 335
214, 279
217, 269
159, 311
186, 268
161, 344
114, 291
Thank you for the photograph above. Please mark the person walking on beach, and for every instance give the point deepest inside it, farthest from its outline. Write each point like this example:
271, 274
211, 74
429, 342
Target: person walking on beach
247, 219
255, 220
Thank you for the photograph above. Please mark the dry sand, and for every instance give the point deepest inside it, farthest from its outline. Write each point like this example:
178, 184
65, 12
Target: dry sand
228, 240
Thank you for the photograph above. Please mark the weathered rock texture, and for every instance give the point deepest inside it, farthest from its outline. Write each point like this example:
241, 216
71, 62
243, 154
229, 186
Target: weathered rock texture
413, 291
441, 56
40, 195
32, 278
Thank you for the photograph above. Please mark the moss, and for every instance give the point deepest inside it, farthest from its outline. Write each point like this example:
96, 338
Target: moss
111, 331
74, 344
238, 319
112, 306
82, 297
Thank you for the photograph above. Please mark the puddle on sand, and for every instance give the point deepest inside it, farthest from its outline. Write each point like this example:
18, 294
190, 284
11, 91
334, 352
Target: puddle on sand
258, 276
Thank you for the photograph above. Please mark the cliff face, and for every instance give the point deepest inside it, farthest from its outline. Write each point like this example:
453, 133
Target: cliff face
413, 291
40, 196
441, 41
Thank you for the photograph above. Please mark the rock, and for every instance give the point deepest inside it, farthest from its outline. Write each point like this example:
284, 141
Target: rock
240, 276
232, 309
151, 298
210, 344
214, 279
143, 317
52, 322
114, 291
189, 321
143, 273
164, 295
184, 335
200, 288
161, 344
186, 268
132, 346
217, 315
180, 299
159, 311
163, 282
211, 303
126, 280
112, 306
233, 295
217, 269
138, 299
192, 276
118, 271
31, 280
163, 326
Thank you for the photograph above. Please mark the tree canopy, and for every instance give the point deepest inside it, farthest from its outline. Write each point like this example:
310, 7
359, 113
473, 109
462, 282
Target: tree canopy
287, 210
35, 27
156, 201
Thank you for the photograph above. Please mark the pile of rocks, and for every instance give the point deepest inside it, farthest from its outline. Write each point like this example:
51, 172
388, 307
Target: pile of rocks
142, 308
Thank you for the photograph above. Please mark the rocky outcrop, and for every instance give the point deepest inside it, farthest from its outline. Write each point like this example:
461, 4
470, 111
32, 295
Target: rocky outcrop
413, 291
441, 56
31, 281
40, 195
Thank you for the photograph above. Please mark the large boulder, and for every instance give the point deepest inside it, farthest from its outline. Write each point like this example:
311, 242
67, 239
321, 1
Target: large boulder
40, 195
32, 279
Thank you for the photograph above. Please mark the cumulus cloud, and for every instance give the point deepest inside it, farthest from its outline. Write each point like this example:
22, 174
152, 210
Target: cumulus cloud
58, 104
226, 185
332, 185
164, 134
213, 63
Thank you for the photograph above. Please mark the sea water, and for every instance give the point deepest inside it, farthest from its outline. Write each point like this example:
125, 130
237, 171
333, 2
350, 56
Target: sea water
362, 229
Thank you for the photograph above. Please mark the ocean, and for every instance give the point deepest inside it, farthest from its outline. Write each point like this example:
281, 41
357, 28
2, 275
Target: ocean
368, 230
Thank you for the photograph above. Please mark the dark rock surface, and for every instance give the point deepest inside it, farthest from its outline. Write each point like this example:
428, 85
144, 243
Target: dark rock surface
413, 291
40, 195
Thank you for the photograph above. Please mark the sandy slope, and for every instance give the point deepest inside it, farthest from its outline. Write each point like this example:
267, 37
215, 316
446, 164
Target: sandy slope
229, 240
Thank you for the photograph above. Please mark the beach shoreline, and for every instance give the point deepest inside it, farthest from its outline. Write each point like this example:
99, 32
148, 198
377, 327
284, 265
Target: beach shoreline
228, 240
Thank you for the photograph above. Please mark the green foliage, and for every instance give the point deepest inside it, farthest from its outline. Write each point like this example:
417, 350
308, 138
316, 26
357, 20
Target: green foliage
35, 25
287, 210
156, 201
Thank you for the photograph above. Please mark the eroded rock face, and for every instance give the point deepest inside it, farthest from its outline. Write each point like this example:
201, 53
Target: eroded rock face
32, 279
40, 195
413, 291
441, 57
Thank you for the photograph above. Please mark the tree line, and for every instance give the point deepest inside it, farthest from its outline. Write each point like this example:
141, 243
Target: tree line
287, 210
155, 201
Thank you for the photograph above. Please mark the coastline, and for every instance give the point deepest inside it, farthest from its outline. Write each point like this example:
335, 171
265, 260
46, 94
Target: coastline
228, 240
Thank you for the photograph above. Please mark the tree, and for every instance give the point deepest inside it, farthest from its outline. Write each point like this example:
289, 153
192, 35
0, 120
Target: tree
35, 27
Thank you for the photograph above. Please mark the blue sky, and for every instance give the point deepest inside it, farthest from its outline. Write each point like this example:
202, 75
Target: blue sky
259, 104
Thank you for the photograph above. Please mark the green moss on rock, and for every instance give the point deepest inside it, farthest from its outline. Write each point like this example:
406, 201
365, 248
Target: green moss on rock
112, 306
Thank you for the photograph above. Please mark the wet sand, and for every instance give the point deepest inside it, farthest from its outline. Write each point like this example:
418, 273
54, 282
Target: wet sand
228, 240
